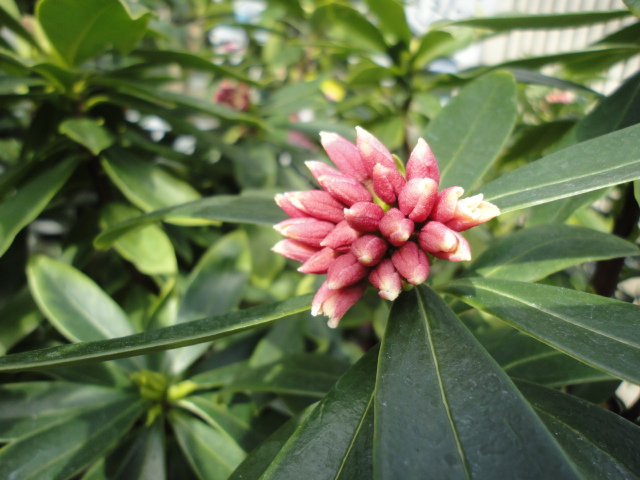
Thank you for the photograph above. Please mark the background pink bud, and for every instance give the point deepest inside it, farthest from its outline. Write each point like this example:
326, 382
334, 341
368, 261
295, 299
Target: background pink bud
462, 253
306, 230
342, 235
344, 271
372, 151
369, 250
318, 204
387, 183
396, 227
344, 154
411, 263
295, 250
436, 237
386, 279
364, 216
422, 163
320, 262
335, 303
446, 203
345, 189
417, 198
285, 204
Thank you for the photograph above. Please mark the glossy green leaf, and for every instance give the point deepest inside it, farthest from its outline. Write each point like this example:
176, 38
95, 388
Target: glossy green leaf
24, 206
533, 253
548, 21
391, 19
600, 443
601, 332
348, 27
70, 444
444, 409
633, 6
215, 286
190, 333
330, 443
88, 133
226, 208
29, 406
81, 30
147, 186
601, 162
210, 454
148, 248
20, 316
467, 135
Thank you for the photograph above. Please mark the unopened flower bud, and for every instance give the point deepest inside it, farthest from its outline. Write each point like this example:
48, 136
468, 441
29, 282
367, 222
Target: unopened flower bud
372, 151
285, 204
344, 271
364, 216
396, 227
472, 211
295, 250
334, 303
411, 263
422, 163
436, 237
306, 230
462, 252
344, 154
342, 235
386, 279
387, 183
345, 189
446, 202
417, 198
318, 169
369, 250
318, 204
320, 262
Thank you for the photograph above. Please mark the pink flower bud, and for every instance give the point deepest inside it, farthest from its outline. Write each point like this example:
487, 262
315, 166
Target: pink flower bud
372, 151
306, 230
386, 279
319, 263
462, 252
318, 204
344, 271
344, 155
342, 235
369, 250
445, 205
422, 163
318, 169
364, 216
436, 237
417, 198
295, 250
335, 303
345, 189
472, 211
396, 227
387, 183
411, 263
285, 204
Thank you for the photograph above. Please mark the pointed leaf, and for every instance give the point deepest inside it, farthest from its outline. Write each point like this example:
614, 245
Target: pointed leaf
467, 135
633, 6
88, 133
191, 333
532, 254
601, 162
598, 331
444, 409
347, 26
392, 19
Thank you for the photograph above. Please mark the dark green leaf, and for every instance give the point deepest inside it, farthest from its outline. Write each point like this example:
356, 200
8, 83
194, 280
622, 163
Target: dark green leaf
601, 332
533, 253
88, 133
600, 443
444, 409
467, 135
190, 333
241, 209
70, 444
601, 162
20, 209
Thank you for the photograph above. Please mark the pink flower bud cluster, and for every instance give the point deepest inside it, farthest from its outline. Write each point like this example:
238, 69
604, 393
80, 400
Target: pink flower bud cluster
371, 222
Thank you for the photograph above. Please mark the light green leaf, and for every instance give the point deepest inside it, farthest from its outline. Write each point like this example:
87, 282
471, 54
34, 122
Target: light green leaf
444, 409
636, 190
148, 248
10, 18
226, 208
392, 19
191, 333
435, 44
468, 134
533, 253
633, 6
80, 30
88, 133
20, 316
291, 98
210, 454
601, 332
70, 444
601, 162
29, 406
24, 206
600, 443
